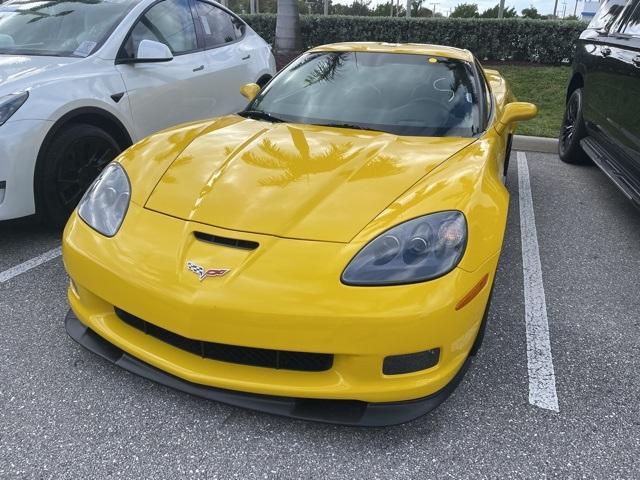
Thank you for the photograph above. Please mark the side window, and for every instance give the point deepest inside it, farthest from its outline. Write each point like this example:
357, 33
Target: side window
485, 93
607, 14
632, 27
169, 22
218, 27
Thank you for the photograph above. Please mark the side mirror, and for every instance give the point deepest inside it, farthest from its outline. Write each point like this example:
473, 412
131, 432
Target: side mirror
150, 51
250, 90
515, 112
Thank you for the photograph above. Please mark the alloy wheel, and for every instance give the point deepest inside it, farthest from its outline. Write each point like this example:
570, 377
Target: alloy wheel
570, 122
83, 160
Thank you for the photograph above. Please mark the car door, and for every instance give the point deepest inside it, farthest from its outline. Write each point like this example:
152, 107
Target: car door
624, 119
595, 52
228, 56
163, 94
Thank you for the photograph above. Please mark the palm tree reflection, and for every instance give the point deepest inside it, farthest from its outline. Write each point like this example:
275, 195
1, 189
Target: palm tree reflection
327, 68
291, 165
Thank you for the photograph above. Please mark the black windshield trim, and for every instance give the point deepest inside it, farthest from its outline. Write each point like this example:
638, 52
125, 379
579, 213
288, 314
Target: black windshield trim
261, 115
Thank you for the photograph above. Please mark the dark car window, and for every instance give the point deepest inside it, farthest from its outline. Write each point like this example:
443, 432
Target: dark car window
607, 14
632, 27
485, 93
169, 22
397, 93
218, 26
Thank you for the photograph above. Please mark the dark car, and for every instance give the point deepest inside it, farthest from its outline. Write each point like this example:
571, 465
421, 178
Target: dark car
602, 116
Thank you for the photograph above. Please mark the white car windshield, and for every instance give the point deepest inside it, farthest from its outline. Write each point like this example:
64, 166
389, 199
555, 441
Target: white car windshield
403, 94
58, 28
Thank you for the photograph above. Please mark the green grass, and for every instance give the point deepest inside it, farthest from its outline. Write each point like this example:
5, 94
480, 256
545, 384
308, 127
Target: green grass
544, 86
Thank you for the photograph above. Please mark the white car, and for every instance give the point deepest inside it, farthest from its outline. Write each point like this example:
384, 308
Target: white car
80, 81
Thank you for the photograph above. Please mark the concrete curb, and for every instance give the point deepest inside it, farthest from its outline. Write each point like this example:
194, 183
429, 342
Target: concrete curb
535, 144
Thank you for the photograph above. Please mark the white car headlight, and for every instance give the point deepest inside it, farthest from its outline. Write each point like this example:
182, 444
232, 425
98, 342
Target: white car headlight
415, 251
104, 205
9, 104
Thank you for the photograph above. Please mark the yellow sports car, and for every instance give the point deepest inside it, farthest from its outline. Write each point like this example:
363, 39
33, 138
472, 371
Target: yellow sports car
328, 253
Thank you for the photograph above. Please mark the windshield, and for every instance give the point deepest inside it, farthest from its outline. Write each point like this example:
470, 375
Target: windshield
402, 94
607, 14
59, 28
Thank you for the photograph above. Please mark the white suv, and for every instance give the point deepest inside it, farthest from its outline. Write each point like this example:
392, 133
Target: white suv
81, 81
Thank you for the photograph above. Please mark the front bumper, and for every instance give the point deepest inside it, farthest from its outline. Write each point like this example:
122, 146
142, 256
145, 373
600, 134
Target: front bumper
275, 297
343, 412
20, 142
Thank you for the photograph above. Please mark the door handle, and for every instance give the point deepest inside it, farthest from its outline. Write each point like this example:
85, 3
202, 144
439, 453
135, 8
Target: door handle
247, 57
199, 69
605, 51
636, 61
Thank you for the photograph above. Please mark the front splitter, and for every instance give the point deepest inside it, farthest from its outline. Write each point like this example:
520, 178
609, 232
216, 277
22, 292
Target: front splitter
343, 412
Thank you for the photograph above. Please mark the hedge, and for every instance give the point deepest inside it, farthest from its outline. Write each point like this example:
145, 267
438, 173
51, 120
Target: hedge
519, 40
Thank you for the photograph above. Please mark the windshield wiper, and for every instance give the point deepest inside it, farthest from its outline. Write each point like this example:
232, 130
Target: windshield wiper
260, 115
347, 125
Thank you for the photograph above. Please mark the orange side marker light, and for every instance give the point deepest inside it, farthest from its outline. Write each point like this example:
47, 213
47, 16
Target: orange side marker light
473, 292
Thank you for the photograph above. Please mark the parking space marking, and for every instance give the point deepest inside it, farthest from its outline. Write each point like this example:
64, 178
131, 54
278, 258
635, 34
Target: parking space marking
29, 264
542, 378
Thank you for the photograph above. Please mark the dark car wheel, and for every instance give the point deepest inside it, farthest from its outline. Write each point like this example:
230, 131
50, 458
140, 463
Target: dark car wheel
572, 131
507, 156
73, 159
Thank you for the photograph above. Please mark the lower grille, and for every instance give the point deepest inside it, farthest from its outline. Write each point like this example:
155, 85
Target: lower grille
255, 357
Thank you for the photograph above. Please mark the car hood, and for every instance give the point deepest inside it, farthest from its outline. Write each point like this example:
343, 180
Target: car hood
295, 181
21, 71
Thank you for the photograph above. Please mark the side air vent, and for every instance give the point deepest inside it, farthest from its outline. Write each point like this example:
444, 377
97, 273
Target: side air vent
227, 242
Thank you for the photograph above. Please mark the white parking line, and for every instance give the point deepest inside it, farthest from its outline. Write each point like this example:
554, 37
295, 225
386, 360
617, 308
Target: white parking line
542, 378
29, 264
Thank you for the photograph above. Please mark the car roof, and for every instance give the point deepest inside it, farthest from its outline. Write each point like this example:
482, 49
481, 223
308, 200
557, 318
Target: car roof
409, 48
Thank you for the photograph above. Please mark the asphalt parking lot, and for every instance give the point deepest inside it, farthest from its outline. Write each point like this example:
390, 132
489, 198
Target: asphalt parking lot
66, 413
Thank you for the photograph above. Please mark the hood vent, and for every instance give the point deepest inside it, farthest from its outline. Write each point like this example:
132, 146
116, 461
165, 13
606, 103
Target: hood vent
227, 242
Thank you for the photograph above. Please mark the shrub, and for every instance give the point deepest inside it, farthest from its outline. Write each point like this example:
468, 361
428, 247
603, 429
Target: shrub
540, 41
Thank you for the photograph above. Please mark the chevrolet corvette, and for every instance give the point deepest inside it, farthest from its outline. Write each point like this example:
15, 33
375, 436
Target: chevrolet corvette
328, 253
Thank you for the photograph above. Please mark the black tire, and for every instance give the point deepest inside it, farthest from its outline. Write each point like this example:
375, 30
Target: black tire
483, 327
507, 155
70, 163
572, 131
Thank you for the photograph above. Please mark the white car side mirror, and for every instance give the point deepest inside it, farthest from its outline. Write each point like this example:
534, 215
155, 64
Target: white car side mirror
149, 51
152, 51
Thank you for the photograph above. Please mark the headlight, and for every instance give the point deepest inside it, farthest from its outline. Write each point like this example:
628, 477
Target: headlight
414, 251
105, 203
9, 104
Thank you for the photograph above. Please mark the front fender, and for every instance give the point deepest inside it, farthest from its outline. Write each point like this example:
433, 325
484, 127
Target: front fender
470, 181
